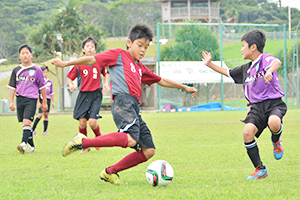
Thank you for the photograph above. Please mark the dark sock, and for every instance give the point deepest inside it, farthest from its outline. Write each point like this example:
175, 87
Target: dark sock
30, 140
275, 136
36, 121
45, 125
26, 134
253, 153
109, 140
127, 162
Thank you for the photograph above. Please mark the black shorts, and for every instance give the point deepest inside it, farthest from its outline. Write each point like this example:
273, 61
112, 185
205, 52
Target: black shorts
88, 105
25, 108
260, 112
48, 103
125, 110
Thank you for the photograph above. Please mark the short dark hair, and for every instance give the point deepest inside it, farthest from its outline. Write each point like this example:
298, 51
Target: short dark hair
25, 46
44, 68
255, 37
89, 39
140, 31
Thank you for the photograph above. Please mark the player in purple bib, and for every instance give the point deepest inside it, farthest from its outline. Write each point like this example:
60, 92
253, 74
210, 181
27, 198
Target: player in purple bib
263, 95
25, 82
50, 98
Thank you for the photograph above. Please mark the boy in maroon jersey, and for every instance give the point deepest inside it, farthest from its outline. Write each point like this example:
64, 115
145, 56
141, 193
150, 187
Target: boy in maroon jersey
127, 74
25, 82
50, 96
89, 99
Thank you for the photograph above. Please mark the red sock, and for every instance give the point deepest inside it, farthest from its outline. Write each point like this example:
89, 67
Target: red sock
127, 162
108, 140
83, 131
97, 131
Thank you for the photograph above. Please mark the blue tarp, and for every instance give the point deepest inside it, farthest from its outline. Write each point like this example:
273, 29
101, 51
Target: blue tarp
213, 106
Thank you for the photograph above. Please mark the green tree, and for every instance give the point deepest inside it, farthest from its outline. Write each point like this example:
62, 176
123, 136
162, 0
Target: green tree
68, 21
191, 40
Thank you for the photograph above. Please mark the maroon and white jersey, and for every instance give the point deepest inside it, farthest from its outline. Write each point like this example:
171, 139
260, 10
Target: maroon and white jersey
126, 76
88, 76
27, 81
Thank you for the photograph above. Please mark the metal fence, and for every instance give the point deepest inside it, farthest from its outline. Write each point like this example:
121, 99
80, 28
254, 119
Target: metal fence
228, 94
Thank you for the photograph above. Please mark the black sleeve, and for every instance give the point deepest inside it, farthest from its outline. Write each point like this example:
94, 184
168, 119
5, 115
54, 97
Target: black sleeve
13, 81
239, 74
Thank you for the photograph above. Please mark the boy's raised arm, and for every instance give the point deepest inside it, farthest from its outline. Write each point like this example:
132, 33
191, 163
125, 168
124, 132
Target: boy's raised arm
207, 61
172, 84
86, 60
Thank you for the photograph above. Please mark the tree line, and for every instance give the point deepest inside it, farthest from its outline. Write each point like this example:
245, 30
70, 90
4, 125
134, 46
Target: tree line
25, 21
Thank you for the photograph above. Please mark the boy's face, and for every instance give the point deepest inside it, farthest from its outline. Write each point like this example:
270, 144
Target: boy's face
138, 48
45, 72
248, 51
25, 56
89, 48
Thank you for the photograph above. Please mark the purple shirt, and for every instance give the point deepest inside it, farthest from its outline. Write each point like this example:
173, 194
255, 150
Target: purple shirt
27, 81
252, 77
49, 89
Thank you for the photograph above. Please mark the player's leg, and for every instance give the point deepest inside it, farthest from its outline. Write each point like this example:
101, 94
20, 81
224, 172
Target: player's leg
25, 112
46, 122
252, 150
83, 126
278, 110
29, 112
126, 119
81, 110
83, 130
36, 121
133, 159
20, 114
95, 127
94, 112
145, 149
276, 128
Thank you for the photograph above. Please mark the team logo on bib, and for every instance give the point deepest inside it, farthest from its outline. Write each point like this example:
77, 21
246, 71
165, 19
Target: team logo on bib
132, 67
31, 72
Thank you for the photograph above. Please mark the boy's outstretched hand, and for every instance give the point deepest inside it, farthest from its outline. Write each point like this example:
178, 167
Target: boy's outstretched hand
58, 62
191, 90
206, 57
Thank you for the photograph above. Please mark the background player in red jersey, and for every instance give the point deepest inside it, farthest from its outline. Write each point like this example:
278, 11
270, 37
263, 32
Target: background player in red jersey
89, 99
127, 74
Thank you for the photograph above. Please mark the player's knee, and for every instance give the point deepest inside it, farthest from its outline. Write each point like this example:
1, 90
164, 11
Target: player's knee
248, 135
46, 116
93, 124
274, 124
131, 141
149, 153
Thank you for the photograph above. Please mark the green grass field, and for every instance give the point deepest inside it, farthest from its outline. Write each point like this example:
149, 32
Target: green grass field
205, 149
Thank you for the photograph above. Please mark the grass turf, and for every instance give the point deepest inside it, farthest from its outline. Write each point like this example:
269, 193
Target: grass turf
205, 149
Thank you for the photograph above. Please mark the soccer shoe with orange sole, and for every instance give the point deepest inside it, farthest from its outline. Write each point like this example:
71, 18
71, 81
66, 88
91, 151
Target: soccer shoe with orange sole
112, 178
259, 173
73, 145
85, 150
278, 149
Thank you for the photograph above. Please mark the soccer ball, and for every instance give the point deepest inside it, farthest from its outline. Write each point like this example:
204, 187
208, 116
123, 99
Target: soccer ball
159, 173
